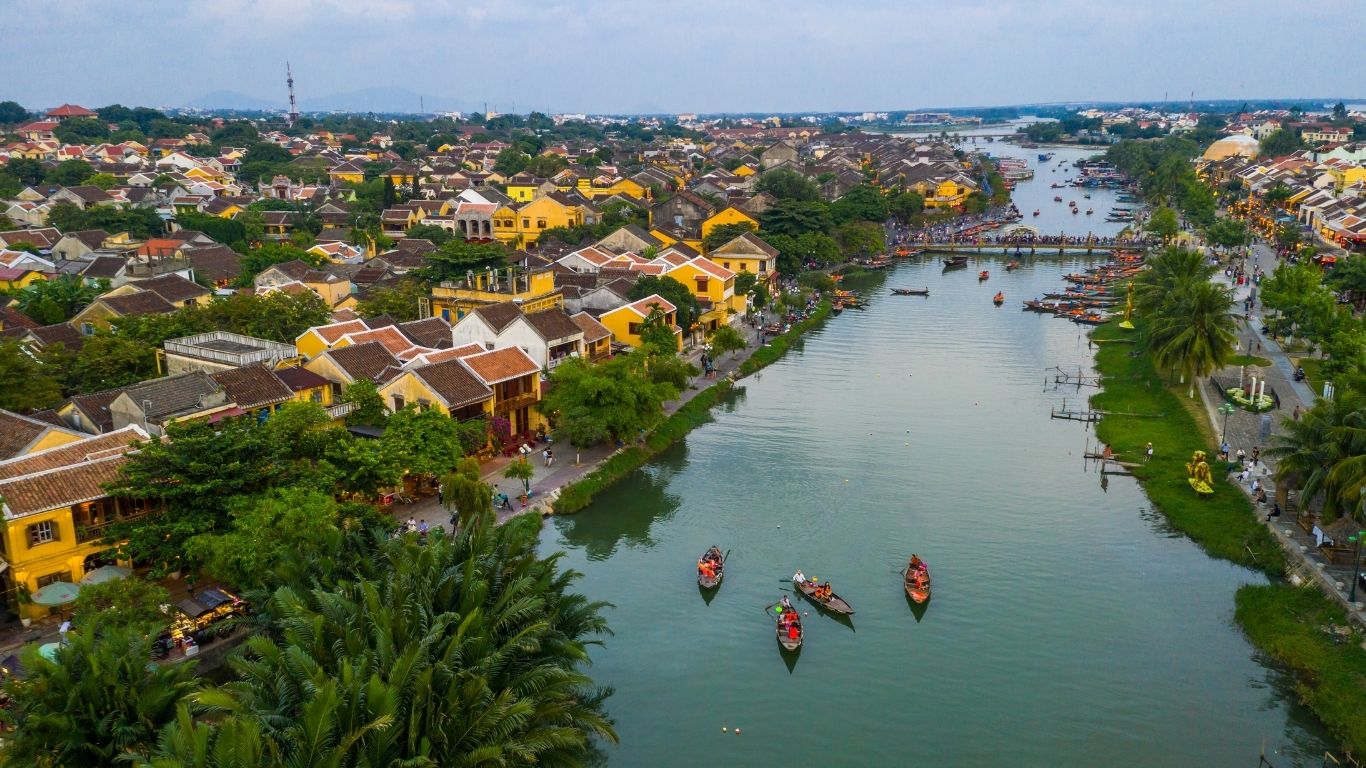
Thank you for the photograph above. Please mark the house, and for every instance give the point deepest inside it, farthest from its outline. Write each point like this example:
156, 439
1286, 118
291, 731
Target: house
22, 435
449, 386
307, 386
56, 509
748, 253
155, 404
15, 278
521, 224
728, 215
218, 351
44, 337
532, 289
683, 210
67, 111
79, 244
295, 275
777, 154
597, 340
346, 365
216, 264
98, 314
629, 238
515, 379
523, 187
714, 288
174, 289
253, 389
318, 339
548, 336
625, 321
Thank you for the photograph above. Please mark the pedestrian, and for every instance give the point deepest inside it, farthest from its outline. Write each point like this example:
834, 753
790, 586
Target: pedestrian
1295, 414
1223, 450
1148, 454
1244, 475
1256, 454
545, 457
422, 529
1241, 455
411, 525
64, 629
441, 494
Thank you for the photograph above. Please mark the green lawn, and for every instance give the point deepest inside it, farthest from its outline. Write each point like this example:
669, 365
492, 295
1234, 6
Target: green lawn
1313, 372
1249, 360
1225, 523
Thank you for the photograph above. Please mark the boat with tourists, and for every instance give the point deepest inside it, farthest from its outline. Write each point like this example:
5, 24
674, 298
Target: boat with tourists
823, 596
711, 568
916, 580
787, 625
983, 275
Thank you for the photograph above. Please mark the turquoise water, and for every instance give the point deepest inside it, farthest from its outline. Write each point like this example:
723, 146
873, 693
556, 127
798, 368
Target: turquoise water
1068, 626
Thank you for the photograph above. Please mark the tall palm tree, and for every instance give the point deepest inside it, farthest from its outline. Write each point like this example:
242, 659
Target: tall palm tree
1168, 274
1324, 454
1194, 333
466, 651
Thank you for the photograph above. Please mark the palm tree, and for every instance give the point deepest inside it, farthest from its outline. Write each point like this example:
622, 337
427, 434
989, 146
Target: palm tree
99, 700
1194, 332
465, 651
1169, 273
1324, 454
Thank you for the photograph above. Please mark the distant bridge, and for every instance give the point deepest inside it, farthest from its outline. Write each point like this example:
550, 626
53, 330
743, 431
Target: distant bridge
1025, 248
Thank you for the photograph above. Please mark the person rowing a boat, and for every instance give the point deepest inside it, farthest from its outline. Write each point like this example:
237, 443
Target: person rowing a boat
787, 604
799, 577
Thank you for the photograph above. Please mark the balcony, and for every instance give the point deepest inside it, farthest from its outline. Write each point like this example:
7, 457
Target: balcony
340, 410
516, 402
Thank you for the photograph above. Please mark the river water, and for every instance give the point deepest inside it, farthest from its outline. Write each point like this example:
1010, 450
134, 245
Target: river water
1069, 626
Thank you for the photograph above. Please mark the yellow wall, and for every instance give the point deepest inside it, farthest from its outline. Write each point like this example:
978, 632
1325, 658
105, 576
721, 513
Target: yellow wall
721, 293
349, 178
728, 215
25, 280
53, 438
620, 320
523, 226
522, 193
65, 554
309, 345
744, 263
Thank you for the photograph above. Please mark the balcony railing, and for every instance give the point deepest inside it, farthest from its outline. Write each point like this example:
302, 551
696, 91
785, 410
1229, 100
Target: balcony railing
340, 410
513, 403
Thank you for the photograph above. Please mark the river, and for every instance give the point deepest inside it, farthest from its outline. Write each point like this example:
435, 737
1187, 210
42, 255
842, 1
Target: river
1069, 625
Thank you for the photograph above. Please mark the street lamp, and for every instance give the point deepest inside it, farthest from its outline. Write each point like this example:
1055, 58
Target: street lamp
1225, 409
1356, 564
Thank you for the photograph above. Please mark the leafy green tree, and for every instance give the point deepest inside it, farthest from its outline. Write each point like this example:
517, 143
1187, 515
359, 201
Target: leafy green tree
1283, 141
674, 292
723, 234
1278, 194
787, 184
266, 530
57, 300
455, 258
29, 172
862, 203
510, 161
466, 496
1169, 273
521, 471
1227, 233
1295, 291
399, 301
726, 339
266, 255
98, 703
794, 217
25, 383
12, 112
10, 187
1164, 224
438, 235
370, 411
612, 400
236, 133
81, 130
70, 173
424, 443
860, 238
106, 361
1310, 452
276, 316
1288, 237
102, 180
132, 602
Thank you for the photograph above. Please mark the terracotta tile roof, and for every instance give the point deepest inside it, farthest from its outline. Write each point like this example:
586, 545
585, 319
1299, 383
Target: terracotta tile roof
364, 361
176, 395
501, 364
140, 303
18, 432
253, 386
332, 333
592, 329
552, 324
442, 355
453, 383
499, 316
390, 336
65, 475
299, 378
643, 306
432, 332
95, 407
712, 268
216, 262
60, 333
173, 288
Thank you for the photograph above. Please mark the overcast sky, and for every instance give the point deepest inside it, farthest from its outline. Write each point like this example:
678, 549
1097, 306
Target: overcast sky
602, 56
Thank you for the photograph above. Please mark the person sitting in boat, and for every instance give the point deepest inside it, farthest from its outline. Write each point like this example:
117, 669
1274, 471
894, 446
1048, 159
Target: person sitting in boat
823, 591
787, 604
705, 568
799, 577
916, 563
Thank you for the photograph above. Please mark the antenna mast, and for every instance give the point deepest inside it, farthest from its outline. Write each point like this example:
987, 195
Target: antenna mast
293, 107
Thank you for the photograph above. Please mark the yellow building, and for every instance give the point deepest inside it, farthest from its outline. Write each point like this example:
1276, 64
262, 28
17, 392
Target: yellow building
520, 225
945, 193
728, 215
448, 386
22, 435
747, 253
744, 170
16, 278
56, 510
624, 322
453, 299
347, 173
714, 287
307, 386
515, 380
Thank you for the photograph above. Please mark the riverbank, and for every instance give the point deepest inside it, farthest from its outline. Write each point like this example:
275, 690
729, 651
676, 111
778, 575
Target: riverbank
1223, 524
578, 494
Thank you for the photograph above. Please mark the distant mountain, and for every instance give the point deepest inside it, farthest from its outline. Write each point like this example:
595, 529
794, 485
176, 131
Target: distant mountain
233, 100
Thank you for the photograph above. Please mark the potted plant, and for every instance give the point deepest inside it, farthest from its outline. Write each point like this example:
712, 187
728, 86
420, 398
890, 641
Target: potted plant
25, 598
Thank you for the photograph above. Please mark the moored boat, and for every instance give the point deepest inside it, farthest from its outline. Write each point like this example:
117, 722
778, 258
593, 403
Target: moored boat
911, 291
917, 580
1090, 318
711, 568
1036, 211
833, 603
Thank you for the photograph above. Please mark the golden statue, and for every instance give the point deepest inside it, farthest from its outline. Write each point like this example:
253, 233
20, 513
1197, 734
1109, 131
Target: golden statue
1127, 323
1200, 479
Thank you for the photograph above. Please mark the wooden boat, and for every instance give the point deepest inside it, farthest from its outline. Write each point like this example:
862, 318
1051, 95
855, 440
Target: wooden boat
835, 604
911, 291
1057, 199
917, 583
956, 261
1090, 319
998, 299
983, 275
837, 307
1012, 266
1036, 211
719, 569
785, 637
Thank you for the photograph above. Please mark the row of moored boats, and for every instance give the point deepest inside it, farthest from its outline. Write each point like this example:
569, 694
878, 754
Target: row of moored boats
1091, 296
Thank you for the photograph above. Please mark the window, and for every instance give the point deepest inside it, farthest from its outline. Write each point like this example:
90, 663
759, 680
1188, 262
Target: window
540, 223
526, 223
423, 404
398, 402
763, 265
701, 285
42, 533
726, 264
633, 329
87, 329
316, 396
